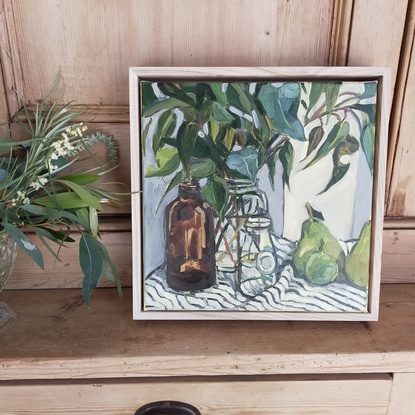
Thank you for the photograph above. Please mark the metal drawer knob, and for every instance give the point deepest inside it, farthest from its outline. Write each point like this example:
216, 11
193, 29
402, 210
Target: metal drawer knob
167, 408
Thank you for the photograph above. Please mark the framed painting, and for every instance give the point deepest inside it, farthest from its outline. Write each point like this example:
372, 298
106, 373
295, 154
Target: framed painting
258, 192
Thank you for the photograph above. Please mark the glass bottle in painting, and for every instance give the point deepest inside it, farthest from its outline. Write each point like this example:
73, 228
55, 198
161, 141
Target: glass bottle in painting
190, 244
259, 260
245, 201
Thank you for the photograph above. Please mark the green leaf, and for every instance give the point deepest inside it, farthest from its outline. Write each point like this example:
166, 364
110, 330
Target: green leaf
370, 90
186, 140
93, 221
167, 160
165, 128
35, 210
162, 105
205, 112
147, 93
228, 139
317, 89
75, 219
220, 96
109, 269
172, 90
54, 236
239, 97
216, 193
332, 93
202, 169
91, 261
177, 179
85, 195
367, 139
145, 134
340, 168
369, 109
281, 105
220, 115
24, 242
314, 139
64, 201
244, 161
81, 179
338, 134
339, 173
200, 95
286, 156
214, 129
83, 215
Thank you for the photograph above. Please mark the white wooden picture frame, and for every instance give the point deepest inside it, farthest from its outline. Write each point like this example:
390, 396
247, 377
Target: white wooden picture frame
312, 140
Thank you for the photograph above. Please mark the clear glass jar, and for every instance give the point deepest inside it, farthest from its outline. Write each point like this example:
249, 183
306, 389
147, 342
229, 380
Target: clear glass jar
259, 261
190, 243
245, 201
8, 253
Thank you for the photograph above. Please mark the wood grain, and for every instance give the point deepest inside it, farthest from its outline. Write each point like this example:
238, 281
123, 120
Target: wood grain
402, 401
94, 42
67, 273
399, 93
56, 336
342, 21
370, 44
10, 56
402, 190
292, 395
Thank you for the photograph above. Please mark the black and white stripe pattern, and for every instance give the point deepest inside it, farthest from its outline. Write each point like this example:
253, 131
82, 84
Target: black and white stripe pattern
289, 294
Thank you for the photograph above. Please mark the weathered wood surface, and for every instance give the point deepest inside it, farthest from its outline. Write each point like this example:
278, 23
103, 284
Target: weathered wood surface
57, 336
95, 43
402, 187
289, 395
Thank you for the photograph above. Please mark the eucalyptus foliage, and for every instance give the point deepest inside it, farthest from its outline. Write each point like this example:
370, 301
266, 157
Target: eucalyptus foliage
217, 130
40, 195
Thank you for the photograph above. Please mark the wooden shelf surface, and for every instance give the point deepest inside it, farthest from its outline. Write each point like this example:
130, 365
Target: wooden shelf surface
55, 336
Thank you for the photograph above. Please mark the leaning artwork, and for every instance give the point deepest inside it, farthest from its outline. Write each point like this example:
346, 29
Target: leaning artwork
256, 196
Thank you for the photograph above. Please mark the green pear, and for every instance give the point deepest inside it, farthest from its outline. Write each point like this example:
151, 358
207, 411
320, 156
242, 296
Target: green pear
357, 262
319, 256
321, 268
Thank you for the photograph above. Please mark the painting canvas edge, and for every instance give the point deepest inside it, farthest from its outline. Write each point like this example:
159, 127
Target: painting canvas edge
288, 73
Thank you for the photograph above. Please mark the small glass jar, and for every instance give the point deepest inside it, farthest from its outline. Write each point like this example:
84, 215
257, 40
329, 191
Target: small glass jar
259, 261
245, 201
190, 242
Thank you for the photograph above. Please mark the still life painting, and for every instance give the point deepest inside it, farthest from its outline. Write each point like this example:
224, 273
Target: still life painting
257, 195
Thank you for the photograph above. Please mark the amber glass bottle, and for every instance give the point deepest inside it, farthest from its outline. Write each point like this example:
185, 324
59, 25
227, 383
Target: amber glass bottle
190, 244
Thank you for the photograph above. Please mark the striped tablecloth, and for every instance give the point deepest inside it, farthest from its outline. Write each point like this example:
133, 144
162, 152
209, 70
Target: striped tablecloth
290, 293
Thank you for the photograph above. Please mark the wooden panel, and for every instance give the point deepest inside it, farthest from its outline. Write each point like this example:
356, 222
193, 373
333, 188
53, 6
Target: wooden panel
342, 20
95, 41
371, 44
400, 88
56, 336
9, 55
363, 395
68, 274
402, 191
398, 259
402, 400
